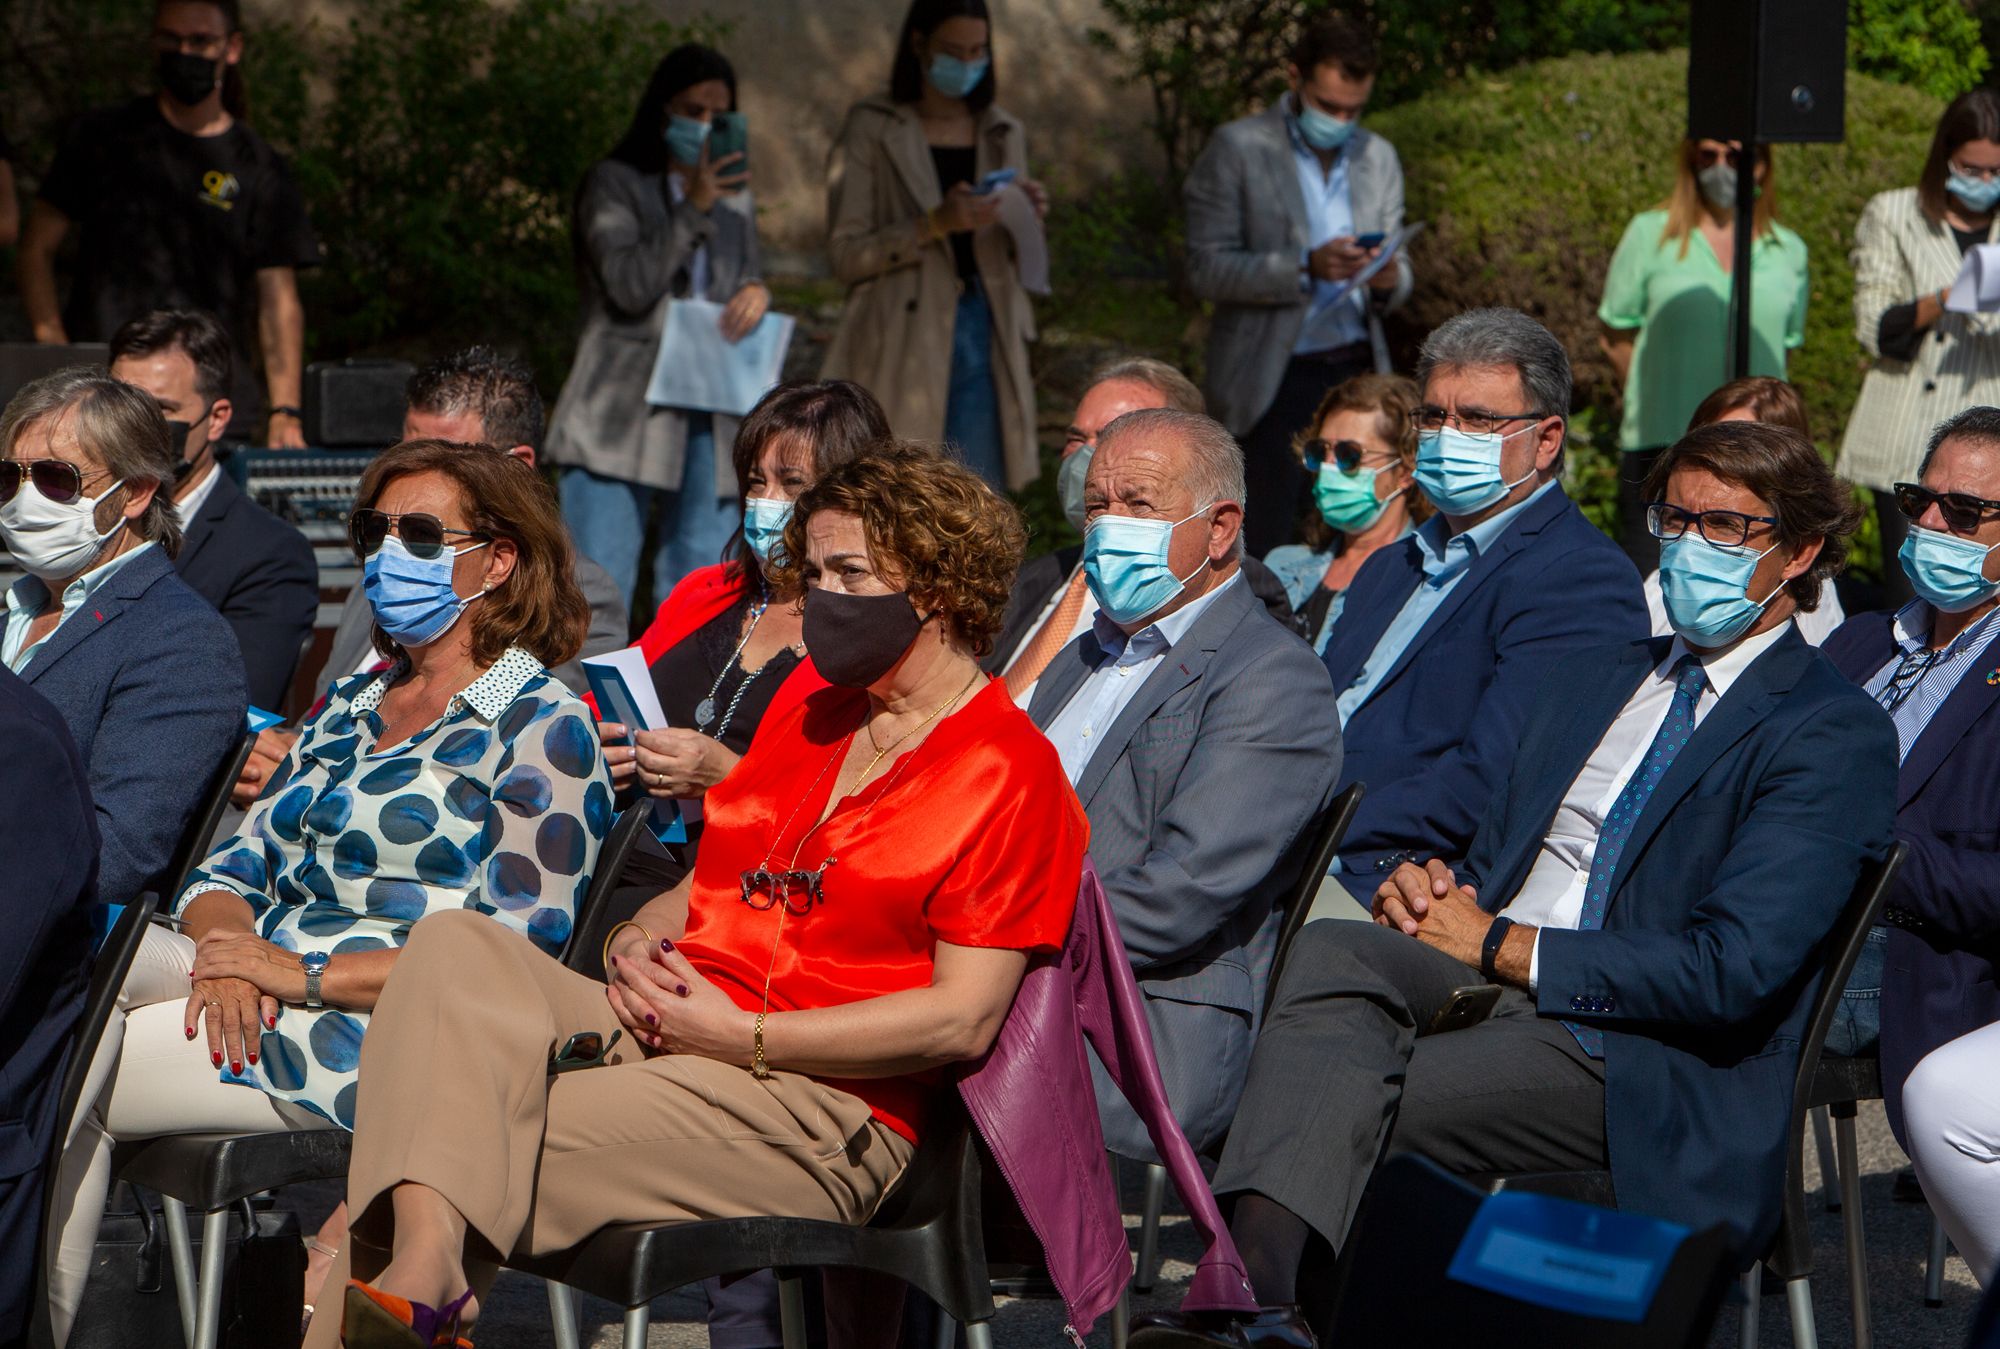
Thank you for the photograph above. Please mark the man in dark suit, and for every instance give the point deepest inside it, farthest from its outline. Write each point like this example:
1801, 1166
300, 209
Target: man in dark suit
1050, 605
1932, 665
1650, 889
1180, 696
1432, 654
256, 570
49, 838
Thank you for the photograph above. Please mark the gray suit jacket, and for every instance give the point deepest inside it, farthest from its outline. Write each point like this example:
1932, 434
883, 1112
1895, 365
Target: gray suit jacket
609, 629
1196, 794
1247, 236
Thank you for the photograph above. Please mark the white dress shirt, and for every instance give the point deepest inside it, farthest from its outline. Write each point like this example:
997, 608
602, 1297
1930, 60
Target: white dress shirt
1127, 661
1084, 618
1552, 896
190, 506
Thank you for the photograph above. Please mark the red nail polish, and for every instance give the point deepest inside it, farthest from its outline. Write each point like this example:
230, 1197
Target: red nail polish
652, 1020
666, 945
235, 1067
253, 1060
614, 962
190, 1031
680, 990
217, 1056
271, 1022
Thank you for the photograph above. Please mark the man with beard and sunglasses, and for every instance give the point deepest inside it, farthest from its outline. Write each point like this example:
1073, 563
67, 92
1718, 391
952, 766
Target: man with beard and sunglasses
254, 568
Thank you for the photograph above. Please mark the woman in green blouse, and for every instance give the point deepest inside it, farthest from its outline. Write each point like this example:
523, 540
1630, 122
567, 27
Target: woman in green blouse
1666, 311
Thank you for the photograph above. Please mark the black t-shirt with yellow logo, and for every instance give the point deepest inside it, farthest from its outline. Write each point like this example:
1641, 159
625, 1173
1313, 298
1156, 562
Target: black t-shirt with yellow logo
169, 220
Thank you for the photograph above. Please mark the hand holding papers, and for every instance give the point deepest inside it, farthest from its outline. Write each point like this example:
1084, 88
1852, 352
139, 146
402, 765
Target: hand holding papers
623, 687
701, 370
1977, 289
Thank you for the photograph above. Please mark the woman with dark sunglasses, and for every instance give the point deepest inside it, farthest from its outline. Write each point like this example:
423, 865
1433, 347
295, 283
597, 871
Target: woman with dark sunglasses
459, 777
1361, 454
872, 882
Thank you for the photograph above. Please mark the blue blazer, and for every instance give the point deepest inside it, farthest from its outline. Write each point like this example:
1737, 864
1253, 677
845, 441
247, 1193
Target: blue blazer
260, 574
1439, 733
1945, 982
49, 839
148, 679
1704, 971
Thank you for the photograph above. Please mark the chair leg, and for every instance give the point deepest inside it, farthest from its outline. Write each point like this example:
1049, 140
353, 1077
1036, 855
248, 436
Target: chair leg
1121, 1318
947, 1332
1934, 1268
563, 1315
208, 1308
638, 1320
181, 1251
1798, 1297
1148, 1272
1823, 1144
1753, 1293
1850, 1220
979, 1335
791, 1309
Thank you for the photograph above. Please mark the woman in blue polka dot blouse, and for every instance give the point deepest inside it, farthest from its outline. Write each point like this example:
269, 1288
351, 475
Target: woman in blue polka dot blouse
462, 777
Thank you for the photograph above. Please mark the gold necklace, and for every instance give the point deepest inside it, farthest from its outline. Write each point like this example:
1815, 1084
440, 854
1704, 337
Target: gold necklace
881, 751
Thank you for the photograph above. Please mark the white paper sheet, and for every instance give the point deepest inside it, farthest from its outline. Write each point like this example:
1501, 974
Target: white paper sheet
1390, 247
1977, 289
698, 368
624, 689
1031, 244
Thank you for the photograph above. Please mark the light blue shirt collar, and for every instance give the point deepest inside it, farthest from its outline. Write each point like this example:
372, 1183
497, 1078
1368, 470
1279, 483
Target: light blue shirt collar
1446, 555
28, 597
1156, 637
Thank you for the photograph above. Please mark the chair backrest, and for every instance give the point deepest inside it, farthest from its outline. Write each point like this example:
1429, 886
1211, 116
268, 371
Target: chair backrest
1793, 1250
194, 843
594, 920
1395, 1288
1315, 852
107, 976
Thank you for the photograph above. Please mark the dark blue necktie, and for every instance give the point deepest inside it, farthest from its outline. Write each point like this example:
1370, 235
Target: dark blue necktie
1625, 812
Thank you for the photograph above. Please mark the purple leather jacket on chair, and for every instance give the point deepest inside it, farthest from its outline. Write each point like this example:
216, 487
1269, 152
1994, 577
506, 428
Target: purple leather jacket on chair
1031, 1100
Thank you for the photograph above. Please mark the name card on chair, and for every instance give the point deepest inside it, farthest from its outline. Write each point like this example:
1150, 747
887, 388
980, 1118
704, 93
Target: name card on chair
1568, 1256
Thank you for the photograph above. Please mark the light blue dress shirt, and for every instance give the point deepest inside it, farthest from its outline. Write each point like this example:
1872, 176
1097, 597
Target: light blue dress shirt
1121, 671
1446, 559
1938, 679
27, 597
1329, 215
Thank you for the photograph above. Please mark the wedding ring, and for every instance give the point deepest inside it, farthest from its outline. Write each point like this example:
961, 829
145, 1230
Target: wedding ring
215, 1004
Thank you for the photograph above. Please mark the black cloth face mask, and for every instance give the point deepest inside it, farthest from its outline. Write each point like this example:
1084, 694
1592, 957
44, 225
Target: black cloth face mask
856, 639
188, 78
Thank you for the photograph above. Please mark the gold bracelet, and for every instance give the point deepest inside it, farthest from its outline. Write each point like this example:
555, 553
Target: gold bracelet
604, 957
757, 1068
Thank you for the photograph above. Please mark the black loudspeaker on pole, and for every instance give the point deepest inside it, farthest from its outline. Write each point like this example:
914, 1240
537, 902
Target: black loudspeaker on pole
1763, 72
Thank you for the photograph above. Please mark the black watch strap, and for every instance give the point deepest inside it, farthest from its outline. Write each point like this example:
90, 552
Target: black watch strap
1489, 950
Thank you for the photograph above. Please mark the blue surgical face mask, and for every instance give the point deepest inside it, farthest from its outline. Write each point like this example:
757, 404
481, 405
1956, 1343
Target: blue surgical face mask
1947, 572
412, 596
1321, 131
1460, 472
1978, 194
1125, 561
955, 78
764, 520
1704, 587
1069, 485
685, 137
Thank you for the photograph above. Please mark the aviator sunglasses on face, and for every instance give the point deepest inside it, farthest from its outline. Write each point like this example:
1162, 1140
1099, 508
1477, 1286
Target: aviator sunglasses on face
56, 479
422, 534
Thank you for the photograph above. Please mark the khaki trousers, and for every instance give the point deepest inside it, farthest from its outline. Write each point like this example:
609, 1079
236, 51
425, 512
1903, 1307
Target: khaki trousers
456, 1095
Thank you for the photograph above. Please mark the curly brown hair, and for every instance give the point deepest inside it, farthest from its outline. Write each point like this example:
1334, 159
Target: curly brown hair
933, 527
1393, 399
540, 608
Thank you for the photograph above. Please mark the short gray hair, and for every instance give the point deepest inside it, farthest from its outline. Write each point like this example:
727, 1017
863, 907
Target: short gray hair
1980, 425
1215, 460
1504, 337
1163, 379
117, 424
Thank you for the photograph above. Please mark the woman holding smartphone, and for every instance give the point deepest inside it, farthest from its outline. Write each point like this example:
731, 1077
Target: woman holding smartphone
665, 216
936, 323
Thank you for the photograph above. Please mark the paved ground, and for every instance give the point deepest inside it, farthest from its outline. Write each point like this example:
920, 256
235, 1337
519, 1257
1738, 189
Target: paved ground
1897, 1235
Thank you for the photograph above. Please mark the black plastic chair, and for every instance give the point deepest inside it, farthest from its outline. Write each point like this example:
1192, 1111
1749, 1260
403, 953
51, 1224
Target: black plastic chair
926, 1233
1314, 851
201, 829
107, 976
1395, 1288
1790, 1256
209, 1172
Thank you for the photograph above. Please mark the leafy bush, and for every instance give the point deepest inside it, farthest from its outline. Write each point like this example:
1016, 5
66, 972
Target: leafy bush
1932, 45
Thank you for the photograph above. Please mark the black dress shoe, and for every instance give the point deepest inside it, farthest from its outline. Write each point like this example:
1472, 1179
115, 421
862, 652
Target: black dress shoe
1274, 1328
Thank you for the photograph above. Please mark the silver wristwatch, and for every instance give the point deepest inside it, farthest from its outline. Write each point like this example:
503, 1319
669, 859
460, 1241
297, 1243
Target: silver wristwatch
314, 963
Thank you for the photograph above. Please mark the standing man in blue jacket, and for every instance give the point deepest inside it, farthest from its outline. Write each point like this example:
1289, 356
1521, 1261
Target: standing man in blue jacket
1433, 655
1651, 890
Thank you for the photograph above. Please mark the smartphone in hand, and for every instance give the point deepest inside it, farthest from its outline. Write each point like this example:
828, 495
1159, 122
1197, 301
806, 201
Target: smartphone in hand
994, 181
1370, 240
729, 134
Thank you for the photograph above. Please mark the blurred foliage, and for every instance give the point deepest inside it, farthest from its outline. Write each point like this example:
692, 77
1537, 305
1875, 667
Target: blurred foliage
1932, 45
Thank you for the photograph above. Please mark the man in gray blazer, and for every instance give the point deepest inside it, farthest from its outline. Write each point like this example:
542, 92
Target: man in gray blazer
1202, 739
1284, 210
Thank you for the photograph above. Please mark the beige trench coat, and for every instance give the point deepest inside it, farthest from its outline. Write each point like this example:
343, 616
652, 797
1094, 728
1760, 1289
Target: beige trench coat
902, 299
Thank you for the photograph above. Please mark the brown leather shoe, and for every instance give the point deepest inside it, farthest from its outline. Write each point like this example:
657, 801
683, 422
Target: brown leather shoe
1274, 1328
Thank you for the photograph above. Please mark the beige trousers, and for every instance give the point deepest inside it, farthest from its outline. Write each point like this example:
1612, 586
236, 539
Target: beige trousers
456, 1095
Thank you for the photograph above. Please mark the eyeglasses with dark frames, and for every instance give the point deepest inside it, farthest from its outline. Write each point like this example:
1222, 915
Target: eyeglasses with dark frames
1473, 423
422, 534
57, 480
1962, 511
1724, 529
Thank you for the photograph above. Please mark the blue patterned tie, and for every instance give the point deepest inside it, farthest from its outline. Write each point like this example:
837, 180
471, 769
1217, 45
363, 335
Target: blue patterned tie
1625, 812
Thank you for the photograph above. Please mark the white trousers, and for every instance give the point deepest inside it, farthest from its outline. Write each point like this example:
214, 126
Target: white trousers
1951, 1111
147, 1080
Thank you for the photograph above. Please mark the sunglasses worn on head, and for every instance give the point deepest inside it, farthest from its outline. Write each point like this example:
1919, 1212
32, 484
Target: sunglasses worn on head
422, 534
1962, 512
56, 479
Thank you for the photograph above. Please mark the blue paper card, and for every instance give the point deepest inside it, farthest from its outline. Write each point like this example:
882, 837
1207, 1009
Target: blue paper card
1568, 1256
257, 719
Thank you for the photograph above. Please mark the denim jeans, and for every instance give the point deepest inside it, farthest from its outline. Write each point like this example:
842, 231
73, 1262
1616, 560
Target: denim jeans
1857, 1022
608, 518
972, 411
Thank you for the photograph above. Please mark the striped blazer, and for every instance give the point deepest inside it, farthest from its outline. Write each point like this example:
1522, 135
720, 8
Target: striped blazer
1898, 256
